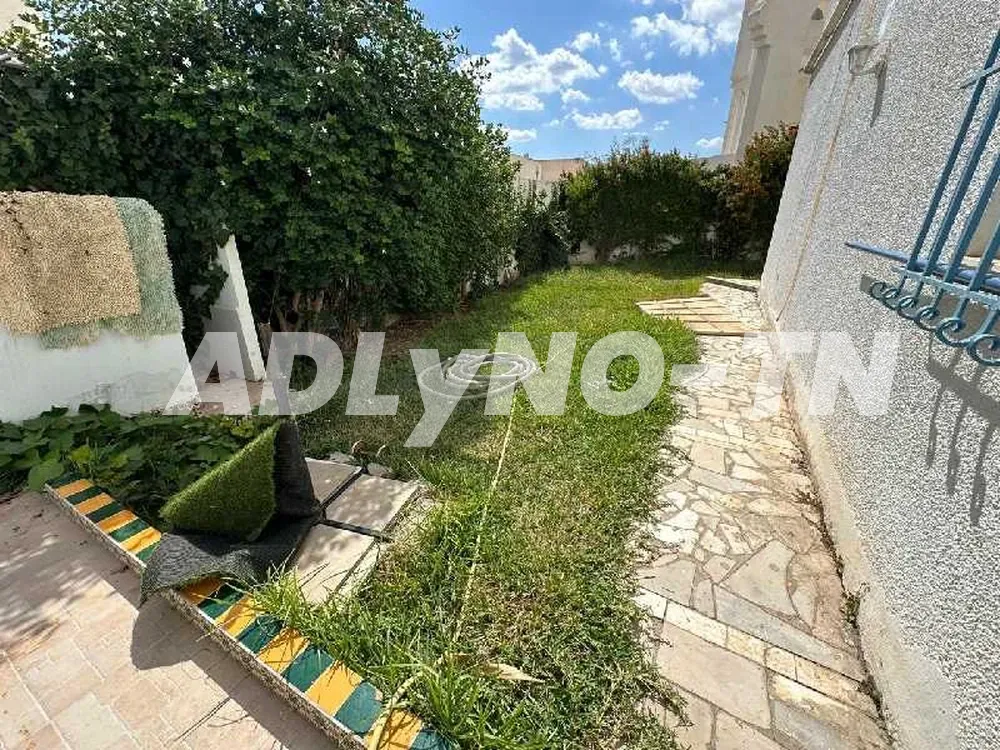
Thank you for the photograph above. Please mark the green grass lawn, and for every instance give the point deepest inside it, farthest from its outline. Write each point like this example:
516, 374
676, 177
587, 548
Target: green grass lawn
552, 551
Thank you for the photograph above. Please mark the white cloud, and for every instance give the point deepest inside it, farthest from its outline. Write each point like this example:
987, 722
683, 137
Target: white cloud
648, 56
712, 145
654, 88
661, 125
554, 123
626, 119
615, 48
513, 100
518, 67
724, 17
602, 69
704, 25
585, 40
574, 95
686, 38
520, 136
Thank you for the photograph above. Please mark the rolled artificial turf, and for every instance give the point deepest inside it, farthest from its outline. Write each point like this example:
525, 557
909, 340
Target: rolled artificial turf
241, 521
236, 499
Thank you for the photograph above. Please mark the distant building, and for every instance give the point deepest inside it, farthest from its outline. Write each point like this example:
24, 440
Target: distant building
768, 85
9, 11
541, 174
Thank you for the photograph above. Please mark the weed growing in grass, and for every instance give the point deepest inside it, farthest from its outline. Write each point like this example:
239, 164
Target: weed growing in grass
554, 576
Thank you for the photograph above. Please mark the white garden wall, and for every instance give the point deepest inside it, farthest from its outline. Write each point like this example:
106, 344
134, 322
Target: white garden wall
132, 375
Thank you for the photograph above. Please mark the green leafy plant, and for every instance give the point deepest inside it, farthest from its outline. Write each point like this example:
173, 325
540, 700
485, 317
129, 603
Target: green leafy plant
642, 199
749, 195
341, 143
141, 460
541, 242
663, 202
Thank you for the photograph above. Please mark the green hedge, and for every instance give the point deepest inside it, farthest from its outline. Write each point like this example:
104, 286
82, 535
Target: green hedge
750, 194
340, 142
654, 202
542, 238
640, 198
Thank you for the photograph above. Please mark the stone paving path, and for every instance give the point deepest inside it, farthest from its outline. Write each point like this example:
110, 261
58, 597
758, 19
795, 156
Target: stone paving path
702, 314
81, 668
743, 587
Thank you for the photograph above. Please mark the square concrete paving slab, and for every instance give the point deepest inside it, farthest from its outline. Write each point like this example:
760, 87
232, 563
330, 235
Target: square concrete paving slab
327, 558
372, 502
328, 477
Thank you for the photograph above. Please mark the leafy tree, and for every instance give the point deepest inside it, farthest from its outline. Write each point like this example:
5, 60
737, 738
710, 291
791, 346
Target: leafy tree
750, 194
640, 198
655, 202
541, 242
339, 140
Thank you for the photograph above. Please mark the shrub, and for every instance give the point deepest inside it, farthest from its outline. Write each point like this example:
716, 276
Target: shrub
639, 198
340, 141
750, 194
541, 242
654, 202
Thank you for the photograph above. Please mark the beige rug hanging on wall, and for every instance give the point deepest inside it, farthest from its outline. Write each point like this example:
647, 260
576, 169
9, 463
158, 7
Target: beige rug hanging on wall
64, 259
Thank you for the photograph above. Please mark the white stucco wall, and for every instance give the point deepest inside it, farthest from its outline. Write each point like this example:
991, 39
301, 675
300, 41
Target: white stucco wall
912, 497
133, 375
231, 313
767, 84
9, 11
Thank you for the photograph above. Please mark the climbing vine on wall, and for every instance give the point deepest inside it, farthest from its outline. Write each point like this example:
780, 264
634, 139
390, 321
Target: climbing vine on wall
340, 141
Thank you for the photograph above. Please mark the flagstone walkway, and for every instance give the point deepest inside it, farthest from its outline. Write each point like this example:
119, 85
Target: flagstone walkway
744, 588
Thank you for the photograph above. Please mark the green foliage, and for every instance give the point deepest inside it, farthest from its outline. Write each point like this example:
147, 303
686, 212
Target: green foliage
235, 499
654, 202
340, 141
140, 460
541, 242
639, 198
750, 194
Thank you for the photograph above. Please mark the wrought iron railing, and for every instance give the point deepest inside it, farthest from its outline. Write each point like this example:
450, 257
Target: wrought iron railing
957, 298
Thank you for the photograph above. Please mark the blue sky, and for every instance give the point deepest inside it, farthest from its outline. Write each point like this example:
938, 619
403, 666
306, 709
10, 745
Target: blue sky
572, 76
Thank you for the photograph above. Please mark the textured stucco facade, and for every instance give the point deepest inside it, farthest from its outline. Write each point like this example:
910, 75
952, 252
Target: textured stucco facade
912, 497
542, 174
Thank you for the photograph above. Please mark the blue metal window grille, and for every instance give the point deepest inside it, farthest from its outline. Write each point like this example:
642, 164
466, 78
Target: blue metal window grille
957, 298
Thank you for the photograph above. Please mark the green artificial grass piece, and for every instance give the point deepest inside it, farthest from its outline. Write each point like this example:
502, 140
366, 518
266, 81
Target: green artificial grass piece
236, 499
160, 313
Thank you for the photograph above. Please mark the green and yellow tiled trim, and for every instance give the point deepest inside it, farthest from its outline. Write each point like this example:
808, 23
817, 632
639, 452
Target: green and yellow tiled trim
338, 700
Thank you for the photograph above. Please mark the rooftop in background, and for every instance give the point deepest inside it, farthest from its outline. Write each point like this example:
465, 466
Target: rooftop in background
9, 11
541, 173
